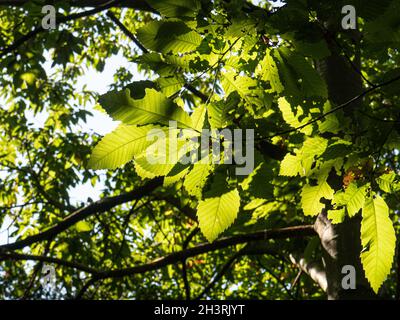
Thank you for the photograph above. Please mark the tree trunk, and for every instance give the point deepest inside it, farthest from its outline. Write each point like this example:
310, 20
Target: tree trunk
341, 242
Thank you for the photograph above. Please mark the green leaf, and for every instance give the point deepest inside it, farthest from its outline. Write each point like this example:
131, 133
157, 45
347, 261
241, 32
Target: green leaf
308, 81
245, 86
253, 204
378, 240
240, 27
330, 123
168, 36
197, 178
302, 162
323, 169
311, 196
173, 177
269, 72
292, 117
353, 198
312, 148
336, 216
315, 50
338, 149
290, 166
384, 29
29, 77
120, 146
198, 117
138, 88
144, 174
153, 108
176, 8
145, 169
161, 156
371, 9
386, 182
170, 85
156, 62
287, 76
83, 226
265, 210
217, 214
219, 112
258, 182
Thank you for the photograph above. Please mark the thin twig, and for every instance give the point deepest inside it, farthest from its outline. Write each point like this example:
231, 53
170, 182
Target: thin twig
183, 261
376, 118
62, 19
37, 268
218, 276
339, 107
296, 279
125, 30
283, 285
263, 235
131, 36
86, 286
208, 69
99, 206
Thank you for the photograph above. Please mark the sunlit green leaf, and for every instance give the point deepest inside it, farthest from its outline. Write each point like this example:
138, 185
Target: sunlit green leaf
217, 214
379, 240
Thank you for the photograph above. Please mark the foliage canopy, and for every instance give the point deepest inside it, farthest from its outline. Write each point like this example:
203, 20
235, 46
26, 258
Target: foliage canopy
322, 103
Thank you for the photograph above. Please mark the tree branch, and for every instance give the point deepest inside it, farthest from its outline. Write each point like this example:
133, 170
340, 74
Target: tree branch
218, 276
185, 280
313, 269
37, 268
278, 279
29, 257
246, 251
339, 107
131, 36
186, 210
288, 232
62, 19
140, 5
125, 30
99, 206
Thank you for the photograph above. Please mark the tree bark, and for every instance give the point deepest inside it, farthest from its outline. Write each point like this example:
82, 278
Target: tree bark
312, 268
341, 242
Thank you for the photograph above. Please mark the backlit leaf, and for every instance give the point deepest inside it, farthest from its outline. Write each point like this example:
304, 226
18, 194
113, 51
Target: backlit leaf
378, 239
217, 214
311, 196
